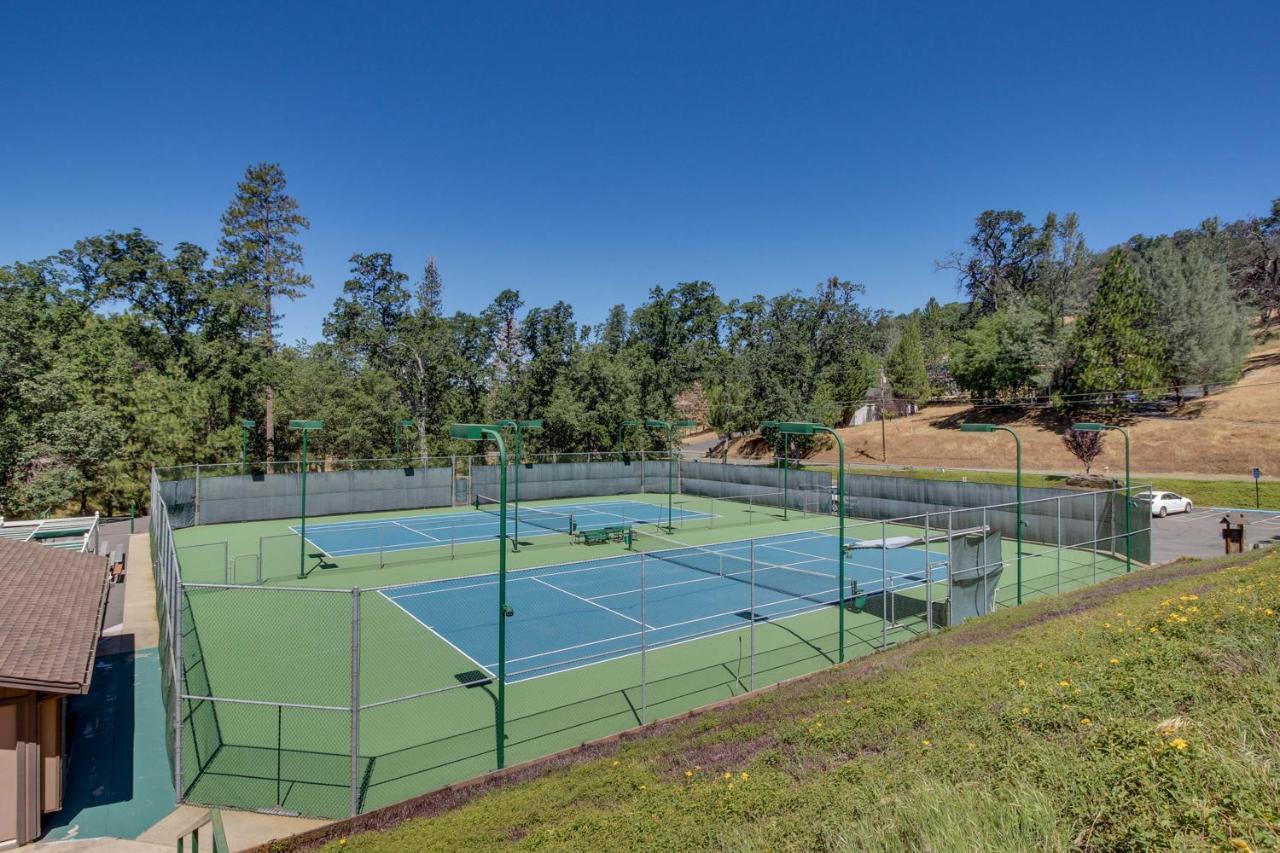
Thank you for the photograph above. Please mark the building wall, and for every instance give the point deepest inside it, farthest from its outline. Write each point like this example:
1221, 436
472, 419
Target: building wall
31, 756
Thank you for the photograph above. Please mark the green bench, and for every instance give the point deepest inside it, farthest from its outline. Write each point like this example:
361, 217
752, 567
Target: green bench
602, 535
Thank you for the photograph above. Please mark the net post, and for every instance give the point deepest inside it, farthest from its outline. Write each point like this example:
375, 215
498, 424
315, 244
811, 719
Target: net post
381, 539
355, 701
260, 538
751, 628
196, 498
226, 563
928, 578
951, 562
644, 649
453, 536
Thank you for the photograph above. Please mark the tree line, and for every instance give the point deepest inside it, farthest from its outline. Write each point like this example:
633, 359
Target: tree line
117, 354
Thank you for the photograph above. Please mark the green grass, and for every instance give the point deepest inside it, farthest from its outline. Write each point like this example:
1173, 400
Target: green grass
1135, 715
1234, 494
288, 642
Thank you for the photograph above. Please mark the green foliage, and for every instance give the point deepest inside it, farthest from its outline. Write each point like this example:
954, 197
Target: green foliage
1204, 330
1002, 355
1116, 347
905, 366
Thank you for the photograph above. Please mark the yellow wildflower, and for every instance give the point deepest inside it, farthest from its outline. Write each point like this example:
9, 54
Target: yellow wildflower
688, 774
1026, 710
1115, 661
1085, 721
745, 776
728, 775
1064, 683
926, 743
616, 763
1240, 844
1022, 682
1178, 743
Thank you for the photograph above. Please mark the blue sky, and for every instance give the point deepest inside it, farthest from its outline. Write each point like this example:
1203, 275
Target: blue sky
590, 151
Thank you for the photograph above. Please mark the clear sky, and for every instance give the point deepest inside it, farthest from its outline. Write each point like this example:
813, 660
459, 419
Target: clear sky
590, 151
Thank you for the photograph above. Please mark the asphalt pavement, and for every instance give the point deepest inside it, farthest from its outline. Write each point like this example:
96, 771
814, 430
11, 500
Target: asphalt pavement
1199, 533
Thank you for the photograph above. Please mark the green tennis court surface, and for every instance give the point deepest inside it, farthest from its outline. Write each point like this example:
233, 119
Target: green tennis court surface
278, 659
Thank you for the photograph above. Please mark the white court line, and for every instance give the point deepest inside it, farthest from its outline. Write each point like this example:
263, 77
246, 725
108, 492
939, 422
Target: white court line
592, 603
418, 532
442, 637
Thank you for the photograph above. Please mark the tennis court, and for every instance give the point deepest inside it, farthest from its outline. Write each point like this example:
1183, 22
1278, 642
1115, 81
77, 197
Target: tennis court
372, 536
575, 614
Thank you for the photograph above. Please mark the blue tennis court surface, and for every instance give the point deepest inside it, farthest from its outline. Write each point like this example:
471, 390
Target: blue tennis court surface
373, 536
576, 614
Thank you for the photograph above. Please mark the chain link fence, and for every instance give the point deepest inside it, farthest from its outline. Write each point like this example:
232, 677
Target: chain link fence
332, 701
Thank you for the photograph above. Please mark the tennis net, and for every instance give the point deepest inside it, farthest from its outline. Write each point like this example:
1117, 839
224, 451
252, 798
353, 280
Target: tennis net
737, 561
544, 518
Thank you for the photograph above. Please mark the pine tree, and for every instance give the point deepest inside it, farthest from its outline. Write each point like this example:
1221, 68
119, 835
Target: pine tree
1203, 327
1115, 348
905, 366
431, 290
261, 262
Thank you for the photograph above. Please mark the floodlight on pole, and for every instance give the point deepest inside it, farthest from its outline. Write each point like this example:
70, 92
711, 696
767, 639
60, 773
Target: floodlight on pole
1128, 508
307, 427
1017, 443
805, 428
670, 427
245, 426
519, 427
622, 430
479, 432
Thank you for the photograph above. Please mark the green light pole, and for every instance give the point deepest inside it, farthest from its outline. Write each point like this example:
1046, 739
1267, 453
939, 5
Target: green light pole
245, 426
622, 430
1128, 522
670, 427
306, 427
1017, 443
519, 427
803, 428
786, 451
479, 432
402, 424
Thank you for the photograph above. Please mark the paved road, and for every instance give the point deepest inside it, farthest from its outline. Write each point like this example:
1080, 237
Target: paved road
1198, 533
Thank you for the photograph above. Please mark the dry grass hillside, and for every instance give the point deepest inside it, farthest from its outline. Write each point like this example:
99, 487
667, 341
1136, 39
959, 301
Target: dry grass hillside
1226, 434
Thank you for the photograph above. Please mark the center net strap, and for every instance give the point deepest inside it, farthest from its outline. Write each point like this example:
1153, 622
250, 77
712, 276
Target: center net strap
544, 518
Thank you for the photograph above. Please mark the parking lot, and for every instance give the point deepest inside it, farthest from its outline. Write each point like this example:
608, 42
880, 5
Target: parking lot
1199, 532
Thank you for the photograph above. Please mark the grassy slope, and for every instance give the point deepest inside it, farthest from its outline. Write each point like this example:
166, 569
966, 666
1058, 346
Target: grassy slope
1228, 433
1140, 713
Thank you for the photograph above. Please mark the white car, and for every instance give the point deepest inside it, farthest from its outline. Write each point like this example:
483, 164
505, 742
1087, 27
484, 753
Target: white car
1163, 503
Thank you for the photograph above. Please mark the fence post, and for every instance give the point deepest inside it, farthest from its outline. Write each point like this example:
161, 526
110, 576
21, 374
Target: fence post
928, 579
1094, 550
644, 650
179, 677
1058, 504
355, 701
885, 595
752, 625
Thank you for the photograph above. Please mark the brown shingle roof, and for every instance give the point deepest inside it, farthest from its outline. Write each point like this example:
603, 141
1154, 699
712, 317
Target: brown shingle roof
51, 607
